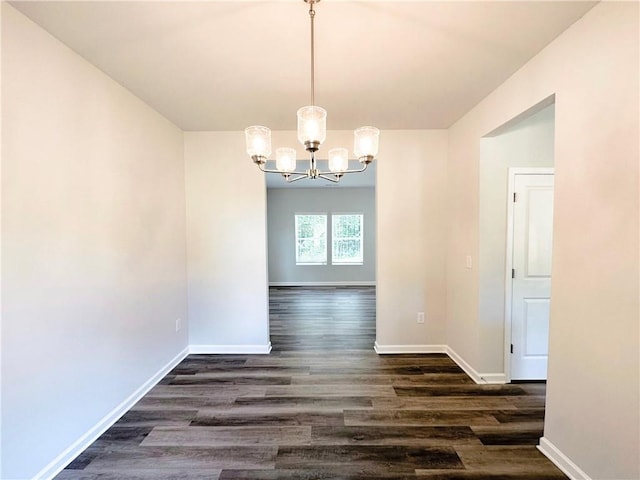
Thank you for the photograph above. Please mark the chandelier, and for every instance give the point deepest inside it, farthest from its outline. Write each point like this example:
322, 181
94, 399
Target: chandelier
312, 132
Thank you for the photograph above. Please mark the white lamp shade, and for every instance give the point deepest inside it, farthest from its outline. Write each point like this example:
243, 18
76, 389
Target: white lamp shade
258, 141
338, 160
286, 160
312, 124
366, 142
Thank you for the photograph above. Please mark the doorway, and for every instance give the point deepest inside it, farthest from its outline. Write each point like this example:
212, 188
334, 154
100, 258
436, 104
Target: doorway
321, 254
526, 142
529, 253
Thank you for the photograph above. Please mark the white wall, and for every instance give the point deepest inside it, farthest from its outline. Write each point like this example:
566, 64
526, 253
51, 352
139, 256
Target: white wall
282, 206
592, 415
528, 143
1, 369
93, 256
226, 245
411, 233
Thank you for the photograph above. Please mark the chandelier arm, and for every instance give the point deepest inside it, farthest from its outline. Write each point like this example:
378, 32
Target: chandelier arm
295, 179
268, 170
335, 179
345, 171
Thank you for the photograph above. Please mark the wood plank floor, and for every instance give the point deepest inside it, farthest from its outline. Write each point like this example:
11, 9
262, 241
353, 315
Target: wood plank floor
324, 406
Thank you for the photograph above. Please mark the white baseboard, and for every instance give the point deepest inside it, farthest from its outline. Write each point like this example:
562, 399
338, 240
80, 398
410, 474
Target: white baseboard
76, 448
391, 349
493, 378
354, 283
231, 349
561, 461
484, 378
468, 369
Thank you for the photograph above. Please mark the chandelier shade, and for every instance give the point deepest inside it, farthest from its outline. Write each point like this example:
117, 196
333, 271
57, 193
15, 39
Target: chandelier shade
286, 159
258, 140
312, 125
338, 160
366, 142
312, 133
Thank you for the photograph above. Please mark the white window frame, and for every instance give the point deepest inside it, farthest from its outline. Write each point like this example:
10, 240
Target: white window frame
297, 239
360, 261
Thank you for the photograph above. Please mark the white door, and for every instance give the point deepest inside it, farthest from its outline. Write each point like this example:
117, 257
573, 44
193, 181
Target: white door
531, 282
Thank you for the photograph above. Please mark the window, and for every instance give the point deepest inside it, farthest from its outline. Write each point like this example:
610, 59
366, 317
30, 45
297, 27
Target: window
346, 244
311, 239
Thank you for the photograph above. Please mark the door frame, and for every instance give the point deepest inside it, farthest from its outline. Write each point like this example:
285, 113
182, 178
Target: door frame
508, 284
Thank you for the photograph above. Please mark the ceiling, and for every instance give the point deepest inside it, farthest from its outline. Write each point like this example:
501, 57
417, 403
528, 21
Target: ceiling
224, 65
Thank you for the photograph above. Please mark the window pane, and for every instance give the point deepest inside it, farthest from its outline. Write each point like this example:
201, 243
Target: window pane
347, 251
311, 239
347, 239
346, 225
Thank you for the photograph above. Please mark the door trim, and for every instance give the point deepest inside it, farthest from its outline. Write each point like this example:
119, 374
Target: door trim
508, 293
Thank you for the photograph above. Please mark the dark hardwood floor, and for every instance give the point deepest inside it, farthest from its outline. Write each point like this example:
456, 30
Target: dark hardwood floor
324, 406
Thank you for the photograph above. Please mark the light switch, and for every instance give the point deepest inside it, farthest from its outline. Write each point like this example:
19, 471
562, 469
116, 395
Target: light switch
469, 262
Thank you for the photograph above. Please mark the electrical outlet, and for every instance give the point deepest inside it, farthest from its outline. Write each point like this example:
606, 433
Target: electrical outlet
178, 324
420, 318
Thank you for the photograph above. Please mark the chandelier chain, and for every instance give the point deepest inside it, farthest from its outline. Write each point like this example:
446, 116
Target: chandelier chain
312, 14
